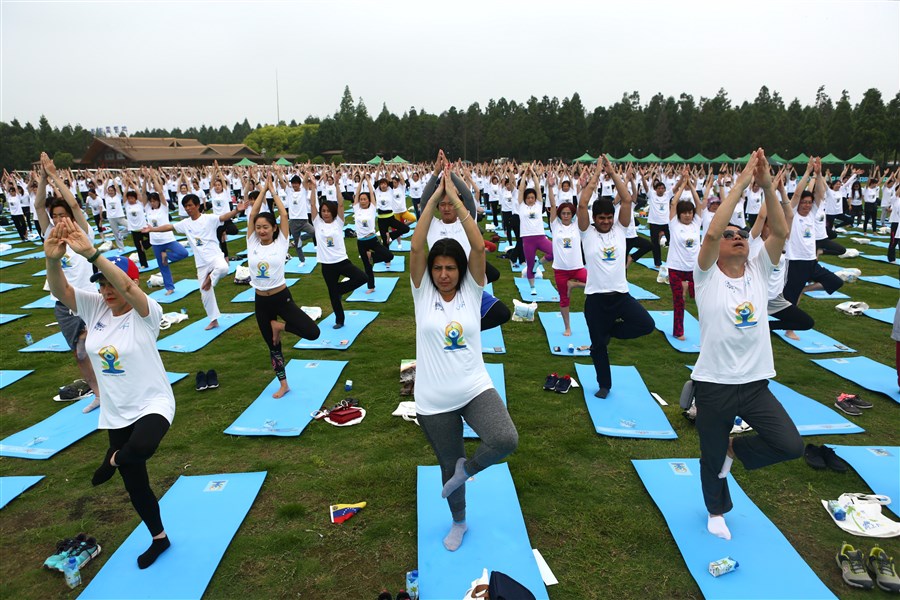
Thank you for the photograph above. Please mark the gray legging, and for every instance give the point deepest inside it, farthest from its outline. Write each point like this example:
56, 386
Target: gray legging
487, 415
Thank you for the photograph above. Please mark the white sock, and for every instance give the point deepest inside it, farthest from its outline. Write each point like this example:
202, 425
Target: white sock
454, 539
717, 527
726, 467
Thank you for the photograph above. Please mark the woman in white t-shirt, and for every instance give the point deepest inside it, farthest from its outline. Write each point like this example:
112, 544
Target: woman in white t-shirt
531, 225
138, 403
568, 261
452, 383
268, 241
371, 250
331, 253
684, 245
165, 248
135, 216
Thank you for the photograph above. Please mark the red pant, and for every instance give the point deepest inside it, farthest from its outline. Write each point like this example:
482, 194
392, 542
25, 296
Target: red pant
562, 282
675, 279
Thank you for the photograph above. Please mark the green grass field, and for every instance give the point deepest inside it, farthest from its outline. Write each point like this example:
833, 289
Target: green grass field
583, 504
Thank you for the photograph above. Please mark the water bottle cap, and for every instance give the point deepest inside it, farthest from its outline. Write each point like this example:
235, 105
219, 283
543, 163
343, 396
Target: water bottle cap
415, 572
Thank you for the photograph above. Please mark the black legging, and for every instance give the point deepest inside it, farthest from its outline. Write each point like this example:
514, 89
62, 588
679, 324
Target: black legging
139, 238
21, 228
640, 246
792, 318
495, 208
490, 272
379, 254
497, 315
224, 229
281, 304
333, 274
870, 212
390, 227
26, 211
655, 230
136, 443
842, 220
511, 224
892, 246
830, 247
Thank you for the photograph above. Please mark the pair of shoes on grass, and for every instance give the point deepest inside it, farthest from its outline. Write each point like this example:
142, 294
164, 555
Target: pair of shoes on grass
851, 404
82, 547
857, 569
386, 595
76, 390
823, 457
208, 380
555, 383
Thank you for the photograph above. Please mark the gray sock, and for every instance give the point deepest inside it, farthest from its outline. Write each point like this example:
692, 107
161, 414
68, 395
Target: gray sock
454, 539
602, 393
459, 478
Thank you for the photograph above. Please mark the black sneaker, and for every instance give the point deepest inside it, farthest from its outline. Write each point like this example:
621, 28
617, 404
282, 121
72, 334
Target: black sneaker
212, 379
564, 384
846, 406
813, 456
201, 381
550, 382
833, 461
855, 401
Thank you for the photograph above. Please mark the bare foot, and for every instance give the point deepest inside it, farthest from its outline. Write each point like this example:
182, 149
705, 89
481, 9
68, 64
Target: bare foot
790, 334
284, 389
212, 324
679, 337
567, 332
370, 291
277, 328
169, 292
207, 284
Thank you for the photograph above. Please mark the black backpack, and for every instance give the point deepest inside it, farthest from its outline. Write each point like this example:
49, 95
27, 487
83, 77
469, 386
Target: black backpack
504, 587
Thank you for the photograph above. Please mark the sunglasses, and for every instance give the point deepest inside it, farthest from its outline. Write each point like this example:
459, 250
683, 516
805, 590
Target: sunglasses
730, 233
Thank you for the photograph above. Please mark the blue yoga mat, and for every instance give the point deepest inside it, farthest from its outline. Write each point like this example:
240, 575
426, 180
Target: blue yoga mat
832, 268
293, 266
398, 265
879, 244
383, 288
288, 416
309, 248
339, 339
5, 287
864, 372
9, 377
11, 251
674, 485
404, 246
58, 431
885, 315
823, 295
8, 263
45, 302
879, 466
886, 280
202, 513
11, 487
629, 410
152, 265
519, 267
665, 321
249, 295
639, 293
875, 257
182, 289
496, 373
30, 255
195, 336
496, 539
814, 342
116, 252
811, 417
647, 262
545, 292
559, 344
492, 341
4, 318
54, 343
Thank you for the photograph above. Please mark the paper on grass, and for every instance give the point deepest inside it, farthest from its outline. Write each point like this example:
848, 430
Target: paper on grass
546, 574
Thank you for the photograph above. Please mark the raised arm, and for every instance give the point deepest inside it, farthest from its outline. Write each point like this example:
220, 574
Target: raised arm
283, 221
551, 181
418, 256
709, 250
50, 169
584, 220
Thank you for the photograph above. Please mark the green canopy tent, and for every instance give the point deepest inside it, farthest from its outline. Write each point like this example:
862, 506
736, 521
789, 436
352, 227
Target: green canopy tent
650, 158
673, 158
398, 160
744, 159
245, 162
831, 159
776, 159
697, 159
283, 162
859, 159
800, 158
722, 158
585, 158
375, 160
627, 158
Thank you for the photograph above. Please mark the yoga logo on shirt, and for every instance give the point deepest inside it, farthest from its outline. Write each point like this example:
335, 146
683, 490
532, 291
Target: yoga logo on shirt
453, 337
532, 214
153, 222
807, 233
329, 242
198, 242
134, 213
262, 270
110, 356
364, 223
567, 242
745, 315
689, 243
608, 254
66, 261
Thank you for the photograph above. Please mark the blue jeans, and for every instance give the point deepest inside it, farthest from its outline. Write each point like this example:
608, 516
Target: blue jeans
174, 252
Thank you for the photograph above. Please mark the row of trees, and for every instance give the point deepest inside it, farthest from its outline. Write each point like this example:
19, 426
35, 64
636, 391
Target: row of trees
542, 128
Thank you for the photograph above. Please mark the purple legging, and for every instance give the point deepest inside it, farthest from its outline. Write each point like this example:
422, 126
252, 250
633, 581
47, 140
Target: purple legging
532, 244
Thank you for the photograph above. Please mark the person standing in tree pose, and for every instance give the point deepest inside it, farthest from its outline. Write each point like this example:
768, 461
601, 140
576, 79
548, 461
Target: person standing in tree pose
531, 222
367, 244
684, 245
568, 262
735, 363
452, 383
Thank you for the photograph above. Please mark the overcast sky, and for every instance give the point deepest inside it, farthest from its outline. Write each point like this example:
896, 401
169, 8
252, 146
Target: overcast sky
168, 64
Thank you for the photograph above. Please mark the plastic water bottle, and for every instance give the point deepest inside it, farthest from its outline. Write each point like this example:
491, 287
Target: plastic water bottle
571, 348
184, 311
348, 385
835, 508
412, 584
738, 421
28, 339
73, 575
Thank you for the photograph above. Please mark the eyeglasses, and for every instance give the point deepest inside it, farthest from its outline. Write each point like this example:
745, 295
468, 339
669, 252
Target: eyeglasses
730, 233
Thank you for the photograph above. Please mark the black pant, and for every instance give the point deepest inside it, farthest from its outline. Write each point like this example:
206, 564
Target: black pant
140, 241
841, 219
416, 202
21, 228
26, 211
655, 230
333, 274
136, 443
640, 246
830, 247
776, 439
792, 318
281, 304
495, 210
511, 224
379, 254
892, 246
870, 211
801, 272
612, 315
496, 315
856, 214
226, 228
391, 228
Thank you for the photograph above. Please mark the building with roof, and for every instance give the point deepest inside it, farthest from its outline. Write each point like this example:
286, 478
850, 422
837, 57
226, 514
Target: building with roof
116, 152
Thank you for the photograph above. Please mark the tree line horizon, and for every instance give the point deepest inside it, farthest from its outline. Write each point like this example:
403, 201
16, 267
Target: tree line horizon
537, 129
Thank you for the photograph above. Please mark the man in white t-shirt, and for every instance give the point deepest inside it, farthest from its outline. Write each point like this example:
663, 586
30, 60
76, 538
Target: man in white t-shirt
735, 363
296, 200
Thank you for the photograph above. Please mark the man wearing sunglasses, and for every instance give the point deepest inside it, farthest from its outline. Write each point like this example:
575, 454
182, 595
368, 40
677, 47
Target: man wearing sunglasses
735, 363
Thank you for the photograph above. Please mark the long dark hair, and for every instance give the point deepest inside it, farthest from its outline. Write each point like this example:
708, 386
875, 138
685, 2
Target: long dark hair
453, 249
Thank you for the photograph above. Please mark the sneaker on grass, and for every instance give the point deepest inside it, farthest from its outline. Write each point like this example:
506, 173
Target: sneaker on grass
564, 385
550, 382
847, 407
212, 379
813, 456
833, 461
882, 566
853, 569
76, 390
855, 401
201, 381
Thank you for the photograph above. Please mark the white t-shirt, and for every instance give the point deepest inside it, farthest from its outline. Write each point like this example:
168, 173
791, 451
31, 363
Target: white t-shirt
684, 244
779, 273
15, 204
330, 247
506, 199
77, 269
531, 219
266, 262
658, 209
801, 243
114, 208
157, 218
95, 204
201, 235
221, 202
416, 188
364, 218
135, 216
895, 209
631, 230
450, 369
754, 200
123, 352
383, 200
566, 245
734, 326
605, 256
398, 200
297, 203
455, 231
